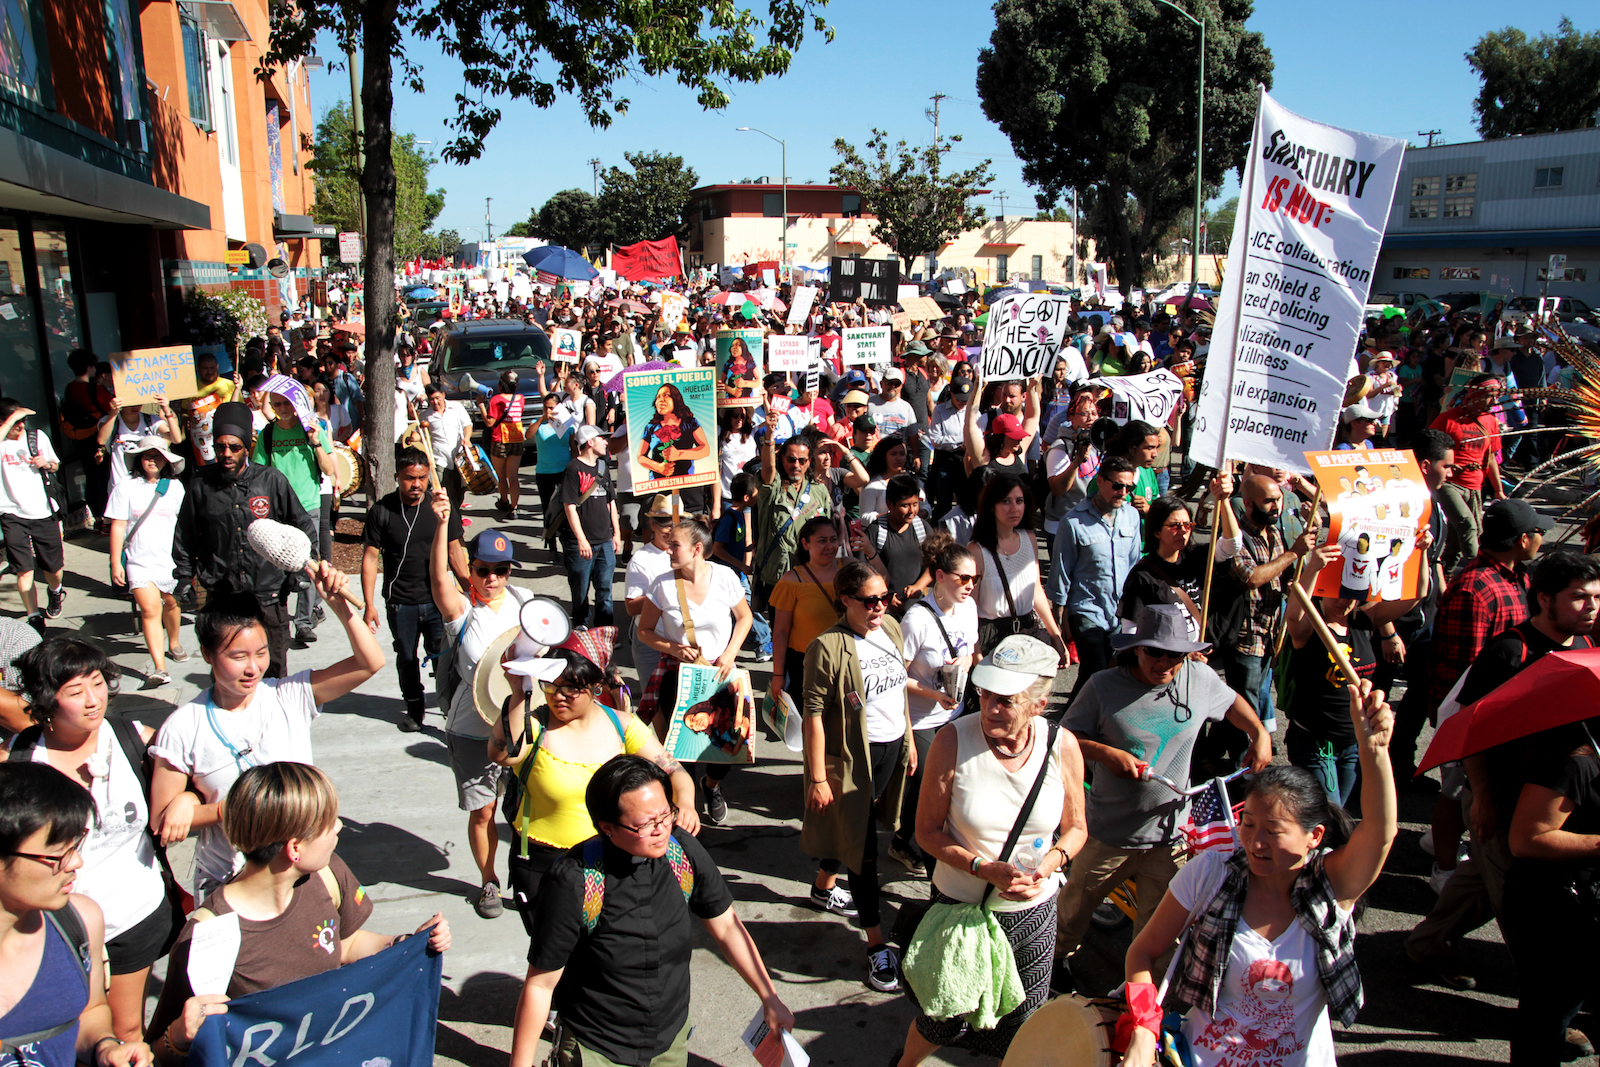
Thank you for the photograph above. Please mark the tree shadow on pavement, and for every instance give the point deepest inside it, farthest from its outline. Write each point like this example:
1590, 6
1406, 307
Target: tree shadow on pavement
380, 852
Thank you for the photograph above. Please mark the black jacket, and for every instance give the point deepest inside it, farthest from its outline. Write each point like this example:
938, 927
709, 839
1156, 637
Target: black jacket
211, 529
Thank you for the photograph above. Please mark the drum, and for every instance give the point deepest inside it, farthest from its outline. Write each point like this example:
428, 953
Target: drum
472, 463
348, 464
1069, 1031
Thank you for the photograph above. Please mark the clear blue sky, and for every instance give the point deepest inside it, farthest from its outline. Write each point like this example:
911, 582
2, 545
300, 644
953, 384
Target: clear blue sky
1381, 67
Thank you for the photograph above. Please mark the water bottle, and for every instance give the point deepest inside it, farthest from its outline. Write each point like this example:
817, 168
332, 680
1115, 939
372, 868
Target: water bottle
1030, 855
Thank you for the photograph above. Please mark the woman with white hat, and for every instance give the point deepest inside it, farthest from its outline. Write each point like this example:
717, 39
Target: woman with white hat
143, 511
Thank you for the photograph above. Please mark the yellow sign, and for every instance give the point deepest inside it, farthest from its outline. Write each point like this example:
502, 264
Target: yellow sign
140, 376
236, 255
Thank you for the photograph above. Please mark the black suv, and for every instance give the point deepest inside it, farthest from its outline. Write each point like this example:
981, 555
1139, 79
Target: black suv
471, 356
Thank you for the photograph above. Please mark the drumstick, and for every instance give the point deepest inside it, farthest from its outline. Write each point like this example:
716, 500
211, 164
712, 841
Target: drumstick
427, 445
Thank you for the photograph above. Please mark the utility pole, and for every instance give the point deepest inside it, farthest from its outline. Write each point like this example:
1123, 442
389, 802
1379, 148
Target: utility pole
595, 164
1430, 135
488, 227
933, 113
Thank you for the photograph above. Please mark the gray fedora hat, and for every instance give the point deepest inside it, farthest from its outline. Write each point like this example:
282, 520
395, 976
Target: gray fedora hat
1163, 626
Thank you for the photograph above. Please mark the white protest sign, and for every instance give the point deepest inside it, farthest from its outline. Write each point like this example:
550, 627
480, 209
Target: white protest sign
1023, 335
478, 285
906, 292
866, 344
350, 247
673, 308
502, 291
566, 344
804, 296
521, 288
787, 352
1147, 397
769, 277
1313, 205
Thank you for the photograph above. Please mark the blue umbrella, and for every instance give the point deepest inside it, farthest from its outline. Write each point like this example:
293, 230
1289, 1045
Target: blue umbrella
422, 292
562, 262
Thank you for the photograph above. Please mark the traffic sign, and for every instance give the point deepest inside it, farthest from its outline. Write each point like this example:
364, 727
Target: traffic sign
350, 247
236, 255
1557, 262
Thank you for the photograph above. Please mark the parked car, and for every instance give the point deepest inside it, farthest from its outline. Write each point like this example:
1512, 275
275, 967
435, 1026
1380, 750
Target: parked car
425, 313
1568, 308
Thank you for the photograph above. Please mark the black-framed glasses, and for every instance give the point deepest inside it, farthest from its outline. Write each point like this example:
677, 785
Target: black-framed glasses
1118, 487
660, 823
1162, 653
499, 570
566, 692
872, 601
54, 861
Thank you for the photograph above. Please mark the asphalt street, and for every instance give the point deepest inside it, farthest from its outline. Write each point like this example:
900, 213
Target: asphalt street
404, 837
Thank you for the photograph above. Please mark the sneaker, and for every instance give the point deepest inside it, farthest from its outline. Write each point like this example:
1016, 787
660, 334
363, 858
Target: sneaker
883, 969
1438, 878
837, 900
488, 904
37, 622
153, 677
177, 654
408, 725
318, 615
910, 860
1426, 844
716, 803
305, 636
1576, 1046
54, 598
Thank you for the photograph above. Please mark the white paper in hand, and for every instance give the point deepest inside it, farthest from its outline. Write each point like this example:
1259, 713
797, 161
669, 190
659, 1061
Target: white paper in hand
773, 1048
213, 950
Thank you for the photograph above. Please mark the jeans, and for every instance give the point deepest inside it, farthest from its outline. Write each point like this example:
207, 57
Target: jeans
1221, 743
946, 472
407, 623
306, 599
1463, 512
600, 571
1094, 650
758, 622
1334, 765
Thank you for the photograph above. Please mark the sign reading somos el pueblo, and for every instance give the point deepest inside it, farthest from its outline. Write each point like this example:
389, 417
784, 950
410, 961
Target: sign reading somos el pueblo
1024, 335
138, 377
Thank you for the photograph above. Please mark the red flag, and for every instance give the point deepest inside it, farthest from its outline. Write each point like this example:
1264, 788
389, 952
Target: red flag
648, 259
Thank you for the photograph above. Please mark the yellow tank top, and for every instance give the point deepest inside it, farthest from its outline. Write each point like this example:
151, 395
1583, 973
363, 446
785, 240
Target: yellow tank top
553, 790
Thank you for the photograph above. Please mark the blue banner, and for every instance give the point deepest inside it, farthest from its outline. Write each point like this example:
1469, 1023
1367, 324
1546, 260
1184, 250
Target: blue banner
376, 1012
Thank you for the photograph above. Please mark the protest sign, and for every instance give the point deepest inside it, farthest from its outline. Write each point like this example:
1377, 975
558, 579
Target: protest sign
901, 321
567, 344
502, 291
380, 1010
711, 721
672, 428
1377, 507
874, 282
350, 247
739, 368
521, 288
788, 352
139, 376
800, 306
478, 285
866, 344
923, 308
769, 277
673, 307
1149, 397
906, 292
1312, 209
1023, 336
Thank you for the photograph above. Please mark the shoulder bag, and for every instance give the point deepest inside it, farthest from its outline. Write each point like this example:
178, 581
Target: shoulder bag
1014, 623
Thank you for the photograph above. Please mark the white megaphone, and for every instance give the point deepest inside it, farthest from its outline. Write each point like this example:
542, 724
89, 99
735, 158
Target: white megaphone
544, 624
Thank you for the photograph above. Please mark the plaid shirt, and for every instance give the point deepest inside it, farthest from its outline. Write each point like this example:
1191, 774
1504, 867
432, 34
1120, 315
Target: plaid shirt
1260, 547
1204, 959
1484, 599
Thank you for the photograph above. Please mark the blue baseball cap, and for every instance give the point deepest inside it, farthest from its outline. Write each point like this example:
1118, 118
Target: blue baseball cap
491, 546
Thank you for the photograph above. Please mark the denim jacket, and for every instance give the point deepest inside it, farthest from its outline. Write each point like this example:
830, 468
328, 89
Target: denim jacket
1093, 555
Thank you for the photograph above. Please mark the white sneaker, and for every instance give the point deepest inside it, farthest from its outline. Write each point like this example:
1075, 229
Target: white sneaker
1426, 844
1438, 878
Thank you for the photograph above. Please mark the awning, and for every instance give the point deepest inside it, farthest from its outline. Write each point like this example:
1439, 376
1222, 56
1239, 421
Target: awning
289, 227
218, 18
36, 177
1494, 239
1001, 246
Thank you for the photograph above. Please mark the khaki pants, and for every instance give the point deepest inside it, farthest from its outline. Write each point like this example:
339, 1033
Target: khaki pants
1471, 898
1100, 868
572, 1054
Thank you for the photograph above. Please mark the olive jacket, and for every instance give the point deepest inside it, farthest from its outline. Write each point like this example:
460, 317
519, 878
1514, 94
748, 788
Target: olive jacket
833, 674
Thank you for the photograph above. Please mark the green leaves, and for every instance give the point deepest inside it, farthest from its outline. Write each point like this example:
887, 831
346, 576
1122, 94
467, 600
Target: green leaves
1538, 86
645, 204
570, 218
339, 187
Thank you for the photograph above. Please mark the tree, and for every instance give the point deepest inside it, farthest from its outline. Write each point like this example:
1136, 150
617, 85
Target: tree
580, 49
445, 243
521, 229
339, 188
918, 210
647, 203
1538, 86
570, 218
1100, 98
1060, 214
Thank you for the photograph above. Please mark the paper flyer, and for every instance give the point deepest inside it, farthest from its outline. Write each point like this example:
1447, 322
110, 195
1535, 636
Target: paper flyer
712, 721
1378, 504
773, 1048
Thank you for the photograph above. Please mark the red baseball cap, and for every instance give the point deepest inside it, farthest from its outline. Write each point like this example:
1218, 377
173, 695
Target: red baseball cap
1008, 426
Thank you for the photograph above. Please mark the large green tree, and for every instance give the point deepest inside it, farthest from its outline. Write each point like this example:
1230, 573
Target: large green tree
511, 50
1098, 96
570, 218
1536, 86
647, 203
339, 185
918, 209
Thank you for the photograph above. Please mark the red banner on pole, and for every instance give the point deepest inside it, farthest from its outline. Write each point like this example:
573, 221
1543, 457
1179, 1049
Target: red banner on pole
648, 259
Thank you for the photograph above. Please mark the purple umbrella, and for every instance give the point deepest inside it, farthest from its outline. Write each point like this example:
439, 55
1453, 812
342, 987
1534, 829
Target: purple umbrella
615, 384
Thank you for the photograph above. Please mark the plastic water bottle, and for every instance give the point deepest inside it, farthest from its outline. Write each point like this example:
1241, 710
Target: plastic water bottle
1030, 855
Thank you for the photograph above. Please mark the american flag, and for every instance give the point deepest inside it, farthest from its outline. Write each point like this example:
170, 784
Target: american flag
1211, 820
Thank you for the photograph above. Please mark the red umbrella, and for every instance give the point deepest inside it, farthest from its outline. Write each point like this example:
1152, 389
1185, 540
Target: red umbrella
1561, 688
727, 296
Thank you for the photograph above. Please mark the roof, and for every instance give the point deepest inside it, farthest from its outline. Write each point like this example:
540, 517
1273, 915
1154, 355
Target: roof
706, 190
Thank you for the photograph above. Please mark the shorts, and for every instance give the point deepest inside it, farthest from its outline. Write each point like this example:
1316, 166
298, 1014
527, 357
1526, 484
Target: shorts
629, 512
477, 776
30, 538
146, 941
506, 448
138, 577
527, 875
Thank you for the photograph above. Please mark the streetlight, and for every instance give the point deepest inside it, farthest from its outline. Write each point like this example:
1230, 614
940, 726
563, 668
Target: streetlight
1199, 145
788, 271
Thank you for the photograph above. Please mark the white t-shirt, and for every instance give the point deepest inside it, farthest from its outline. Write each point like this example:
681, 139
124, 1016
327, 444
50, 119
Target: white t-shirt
926, 651
478, 627
713, 616
648, 564
449, 428
150, 550
122, 442
22, 485
215, 749
883, 673
733, 454
1271, 1007
892, 416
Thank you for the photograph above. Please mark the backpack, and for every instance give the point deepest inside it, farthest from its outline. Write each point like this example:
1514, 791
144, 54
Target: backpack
53, 490
69, 924
594, 877
511, 805
880, 532
447, 668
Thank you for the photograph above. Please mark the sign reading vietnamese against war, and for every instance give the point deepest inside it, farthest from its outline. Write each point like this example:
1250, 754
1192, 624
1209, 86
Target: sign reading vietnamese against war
672, 428
739, 368
1024, 335
139, 376
1377, 506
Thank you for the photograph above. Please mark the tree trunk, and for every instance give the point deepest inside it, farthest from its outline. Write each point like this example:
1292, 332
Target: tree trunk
379, 188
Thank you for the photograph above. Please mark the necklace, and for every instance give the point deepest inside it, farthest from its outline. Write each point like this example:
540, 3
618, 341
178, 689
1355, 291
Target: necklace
1021, 753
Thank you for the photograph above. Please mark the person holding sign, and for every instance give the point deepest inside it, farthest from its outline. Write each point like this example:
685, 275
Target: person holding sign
143, 513
29, 515
127, 425
673, 438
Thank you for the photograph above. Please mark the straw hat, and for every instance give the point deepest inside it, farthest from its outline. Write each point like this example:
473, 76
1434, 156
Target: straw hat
153, 443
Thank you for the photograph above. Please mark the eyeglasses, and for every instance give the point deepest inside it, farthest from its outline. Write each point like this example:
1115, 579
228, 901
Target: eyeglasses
1184, 526
54, 862
1162, 653
797, 459
223, 446
1118, 487
965, 579
500, 571
872, 602
566, 692
654, 826
1007, 702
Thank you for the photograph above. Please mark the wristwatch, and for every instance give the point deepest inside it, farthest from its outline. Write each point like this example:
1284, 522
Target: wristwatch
977, 861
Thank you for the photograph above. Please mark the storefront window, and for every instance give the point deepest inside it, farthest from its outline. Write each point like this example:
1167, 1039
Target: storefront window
63, 328
21, 371
19, 62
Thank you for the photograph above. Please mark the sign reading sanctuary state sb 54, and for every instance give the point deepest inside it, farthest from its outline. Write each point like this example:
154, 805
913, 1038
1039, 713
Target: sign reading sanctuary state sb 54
1312, 210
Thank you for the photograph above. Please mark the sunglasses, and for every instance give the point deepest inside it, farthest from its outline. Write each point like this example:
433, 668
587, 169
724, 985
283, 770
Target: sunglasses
566, 692
500, 571
965, 579
1118, 487
1184, 526
661, 520
872, 602
1162, 653
223, 447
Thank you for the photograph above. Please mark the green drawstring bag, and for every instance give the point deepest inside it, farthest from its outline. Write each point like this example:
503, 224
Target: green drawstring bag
960, 963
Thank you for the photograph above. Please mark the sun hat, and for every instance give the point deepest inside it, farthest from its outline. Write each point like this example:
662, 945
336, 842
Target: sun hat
1015, 664
1162, 626
153, 443
855, 396
917, 348
660, 506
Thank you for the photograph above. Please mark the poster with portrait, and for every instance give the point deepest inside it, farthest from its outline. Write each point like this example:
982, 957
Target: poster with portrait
712, 721
1377, 506
672, 428
739, 355
567, 344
